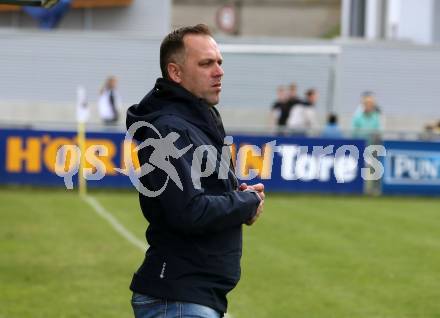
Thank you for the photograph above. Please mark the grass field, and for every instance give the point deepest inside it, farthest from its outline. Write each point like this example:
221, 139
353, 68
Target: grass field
308, 256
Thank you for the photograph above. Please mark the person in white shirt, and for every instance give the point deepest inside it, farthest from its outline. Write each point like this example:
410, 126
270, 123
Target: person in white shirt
302, 117
109, 102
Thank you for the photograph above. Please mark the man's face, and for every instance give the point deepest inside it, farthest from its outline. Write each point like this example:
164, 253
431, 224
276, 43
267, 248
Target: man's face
292, 91
282, 94
369, 104
112, 82
313, 98
201, 72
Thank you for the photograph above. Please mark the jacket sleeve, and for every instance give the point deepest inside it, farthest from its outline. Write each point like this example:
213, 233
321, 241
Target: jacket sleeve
191, 210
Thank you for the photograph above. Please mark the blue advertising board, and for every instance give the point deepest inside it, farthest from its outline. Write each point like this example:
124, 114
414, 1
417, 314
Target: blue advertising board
301, 164
281, 163
29, 156
411, 167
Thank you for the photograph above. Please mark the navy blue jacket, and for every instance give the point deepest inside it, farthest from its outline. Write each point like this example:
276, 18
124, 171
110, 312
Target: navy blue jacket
195, 235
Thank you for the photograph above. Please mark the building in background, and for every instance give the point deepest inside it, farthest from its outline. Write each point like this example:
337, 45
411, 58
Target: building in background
415, 20
146, 17
286, 18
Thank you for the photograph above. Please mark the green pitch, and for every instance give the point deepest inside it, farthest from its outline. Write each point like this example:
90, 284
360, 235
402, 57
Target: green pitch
308, 256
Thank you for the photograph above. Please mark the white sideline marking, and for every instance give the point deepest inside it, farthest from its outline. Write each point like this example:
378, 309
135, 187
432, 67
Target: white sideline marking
106, 215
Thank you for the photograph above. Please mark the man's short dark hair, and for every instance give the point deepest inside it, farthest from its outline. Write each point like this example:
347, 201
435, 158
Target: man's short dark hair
332, 118
367, 94
310, 92
173, 44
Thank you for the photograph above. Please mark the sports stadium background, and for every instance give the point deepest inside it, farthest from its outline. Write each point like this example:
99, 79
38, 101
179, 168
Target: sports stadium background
323, 248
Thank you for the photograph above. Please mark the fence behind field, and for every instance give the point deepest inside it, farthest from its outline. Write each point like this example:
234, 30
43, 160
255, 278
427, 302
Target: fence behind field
40, 73
283, 163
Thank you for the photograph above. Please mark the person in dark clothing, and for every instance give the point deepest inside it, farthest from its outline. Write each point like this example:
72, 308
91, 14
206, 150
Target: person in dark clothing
280, 108
293, 98
195, 224
286, 101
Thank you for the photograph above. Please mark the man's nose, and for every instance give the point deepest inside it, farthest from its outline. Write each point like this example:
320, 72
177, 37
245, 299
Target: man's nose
219, 71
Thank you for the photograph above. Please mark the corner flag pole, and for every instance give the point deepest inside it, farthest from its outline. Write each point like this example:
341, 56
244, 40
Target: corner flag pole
82, 182
82, 115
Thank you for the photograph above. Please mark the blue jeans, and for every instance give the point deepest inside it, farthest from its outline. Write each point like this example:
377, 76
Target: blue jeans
145, 306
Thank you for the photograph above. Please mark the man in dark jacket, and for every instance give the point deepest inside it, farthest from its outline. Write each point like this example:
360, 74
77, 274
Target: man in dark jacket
195, 219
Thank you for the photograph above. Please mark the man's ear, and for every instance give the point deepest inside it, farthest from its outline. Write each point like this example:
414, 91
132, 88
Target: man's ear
174, 72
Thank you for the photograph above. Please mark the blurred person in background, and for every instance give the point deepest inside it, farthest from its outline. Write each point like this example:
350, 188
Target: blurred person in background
293, 98
332, 130
431, 131
366, 122
302, 118
280, 108
109, 101
437, 128
194, 232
